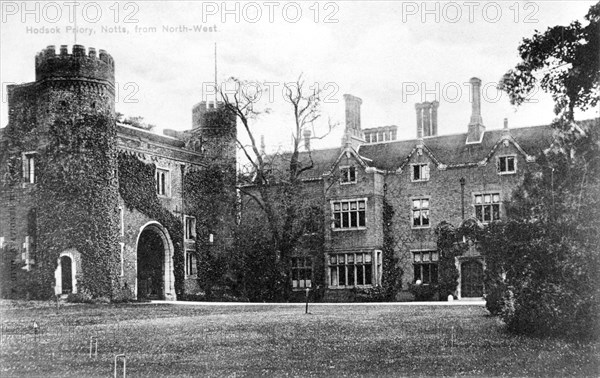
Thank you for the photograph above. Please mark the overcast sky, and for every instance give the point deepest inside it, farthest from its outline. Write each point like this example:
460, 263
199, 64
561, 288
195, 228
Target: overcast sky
392, 54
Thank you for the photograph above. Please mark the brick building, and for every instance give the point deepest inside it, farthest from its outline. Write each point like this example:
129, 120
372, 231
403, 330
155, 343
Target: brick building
74, 86
456, 178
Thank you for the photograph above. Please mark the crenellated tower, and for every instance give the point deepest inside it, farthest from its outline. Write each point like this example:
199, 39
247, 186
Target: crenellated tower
60, 156
216, 129
76, 83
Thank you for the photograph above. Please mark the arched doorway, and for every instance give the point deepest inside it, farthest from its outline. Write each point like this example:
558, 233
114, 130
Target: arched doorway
68, 266
471, 279
155, 279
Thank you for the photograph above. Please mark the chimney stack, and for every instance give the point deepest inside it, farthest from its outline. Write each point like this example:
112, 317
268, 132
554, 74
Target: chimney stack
306, 134
353, 115
434, 126
419, 109
427, 119
476, 128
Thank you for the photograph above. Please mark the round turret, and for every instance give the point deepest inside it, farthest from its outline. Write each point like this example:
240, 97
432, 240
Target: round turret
77, 65
75, 83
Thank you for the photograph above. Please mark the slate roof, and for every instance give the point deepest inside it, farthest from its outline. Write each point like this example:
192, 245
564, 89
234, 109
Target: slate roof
453, 150
134, 132
322, 161
450, 150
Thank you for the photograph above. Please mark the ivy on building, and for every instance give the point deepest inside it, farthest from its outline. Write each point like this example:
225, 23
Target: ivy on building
76, 196
209, 199
138, 190
392, 273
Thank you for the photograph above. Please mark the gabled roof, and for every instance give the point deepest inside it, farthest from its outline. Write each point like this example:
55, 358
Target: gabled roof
322, 161
449, 150
452, 150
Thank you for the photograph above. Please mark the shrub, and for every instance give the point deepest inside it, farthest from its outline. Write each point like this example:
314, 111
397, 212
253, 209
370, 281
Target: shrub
124, 295
494, 299
423, 292
83, 295
372, 294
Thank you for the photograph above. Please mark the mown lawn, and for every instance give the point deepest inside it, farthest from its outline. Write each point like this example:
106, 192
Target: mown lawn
375, 340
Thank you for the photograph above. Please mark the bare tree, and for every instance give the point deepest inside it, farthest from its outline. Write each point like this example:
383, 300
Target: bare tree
274, 182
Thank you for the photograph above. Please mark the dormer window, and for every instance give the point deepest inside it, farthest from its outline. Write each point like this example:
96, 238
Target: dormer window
348, 175
420, 172
507, 165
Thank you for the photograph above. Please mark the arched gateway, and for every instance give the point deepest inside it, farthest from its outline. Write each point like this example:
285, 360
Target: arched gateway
155, 278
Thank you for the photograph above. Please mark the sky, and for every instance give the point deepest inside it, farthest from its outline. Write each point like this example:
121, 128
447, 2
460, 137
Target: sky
392, 54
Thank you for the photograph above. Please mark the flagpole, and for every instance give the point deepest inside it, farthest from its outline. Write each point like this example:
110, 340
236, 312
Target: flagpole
216, 87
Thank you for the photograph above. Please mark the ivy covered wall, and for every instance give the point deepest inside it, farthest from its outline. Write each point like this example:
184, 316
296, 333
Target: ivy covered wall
76, 196
138, 191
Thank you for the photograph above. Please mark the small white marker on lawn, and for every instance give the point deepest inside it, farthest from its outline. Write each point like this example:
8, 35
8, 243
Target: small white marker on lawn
94, 340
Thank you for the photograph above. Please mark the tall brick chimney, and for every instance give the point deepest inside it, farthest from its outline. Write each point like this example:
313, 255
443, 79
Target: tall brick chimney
476, 128
427, 119
419, 109
353, 134
353, 104
434, 121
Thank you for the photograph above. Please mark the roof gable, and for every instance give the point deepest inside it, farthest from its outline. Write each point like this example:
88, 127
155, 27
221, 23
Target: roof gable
452, 151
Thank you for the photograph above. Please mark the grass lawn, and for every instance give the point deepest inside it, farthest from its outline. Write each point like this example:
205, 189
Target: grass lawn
351, 340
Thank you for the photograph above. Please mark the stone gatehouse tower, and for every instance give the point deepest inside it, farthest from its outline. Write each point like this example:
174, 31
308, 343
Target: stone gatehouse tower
94, 206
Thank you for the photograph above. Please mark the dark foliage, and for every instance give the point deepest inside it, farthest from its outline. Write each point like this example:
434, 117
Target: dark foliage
137, 188
448, 249
76, 194
543, 262
392, 272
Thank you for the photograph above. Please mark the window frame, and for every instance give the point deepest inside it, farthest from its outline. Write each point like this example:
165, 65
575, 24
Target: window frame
420, 209
373, 275
336, 227
499, 164
185, 228
29, 166
167, 182
421, 175
348, 174
490, 204
191, 263
421, 263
